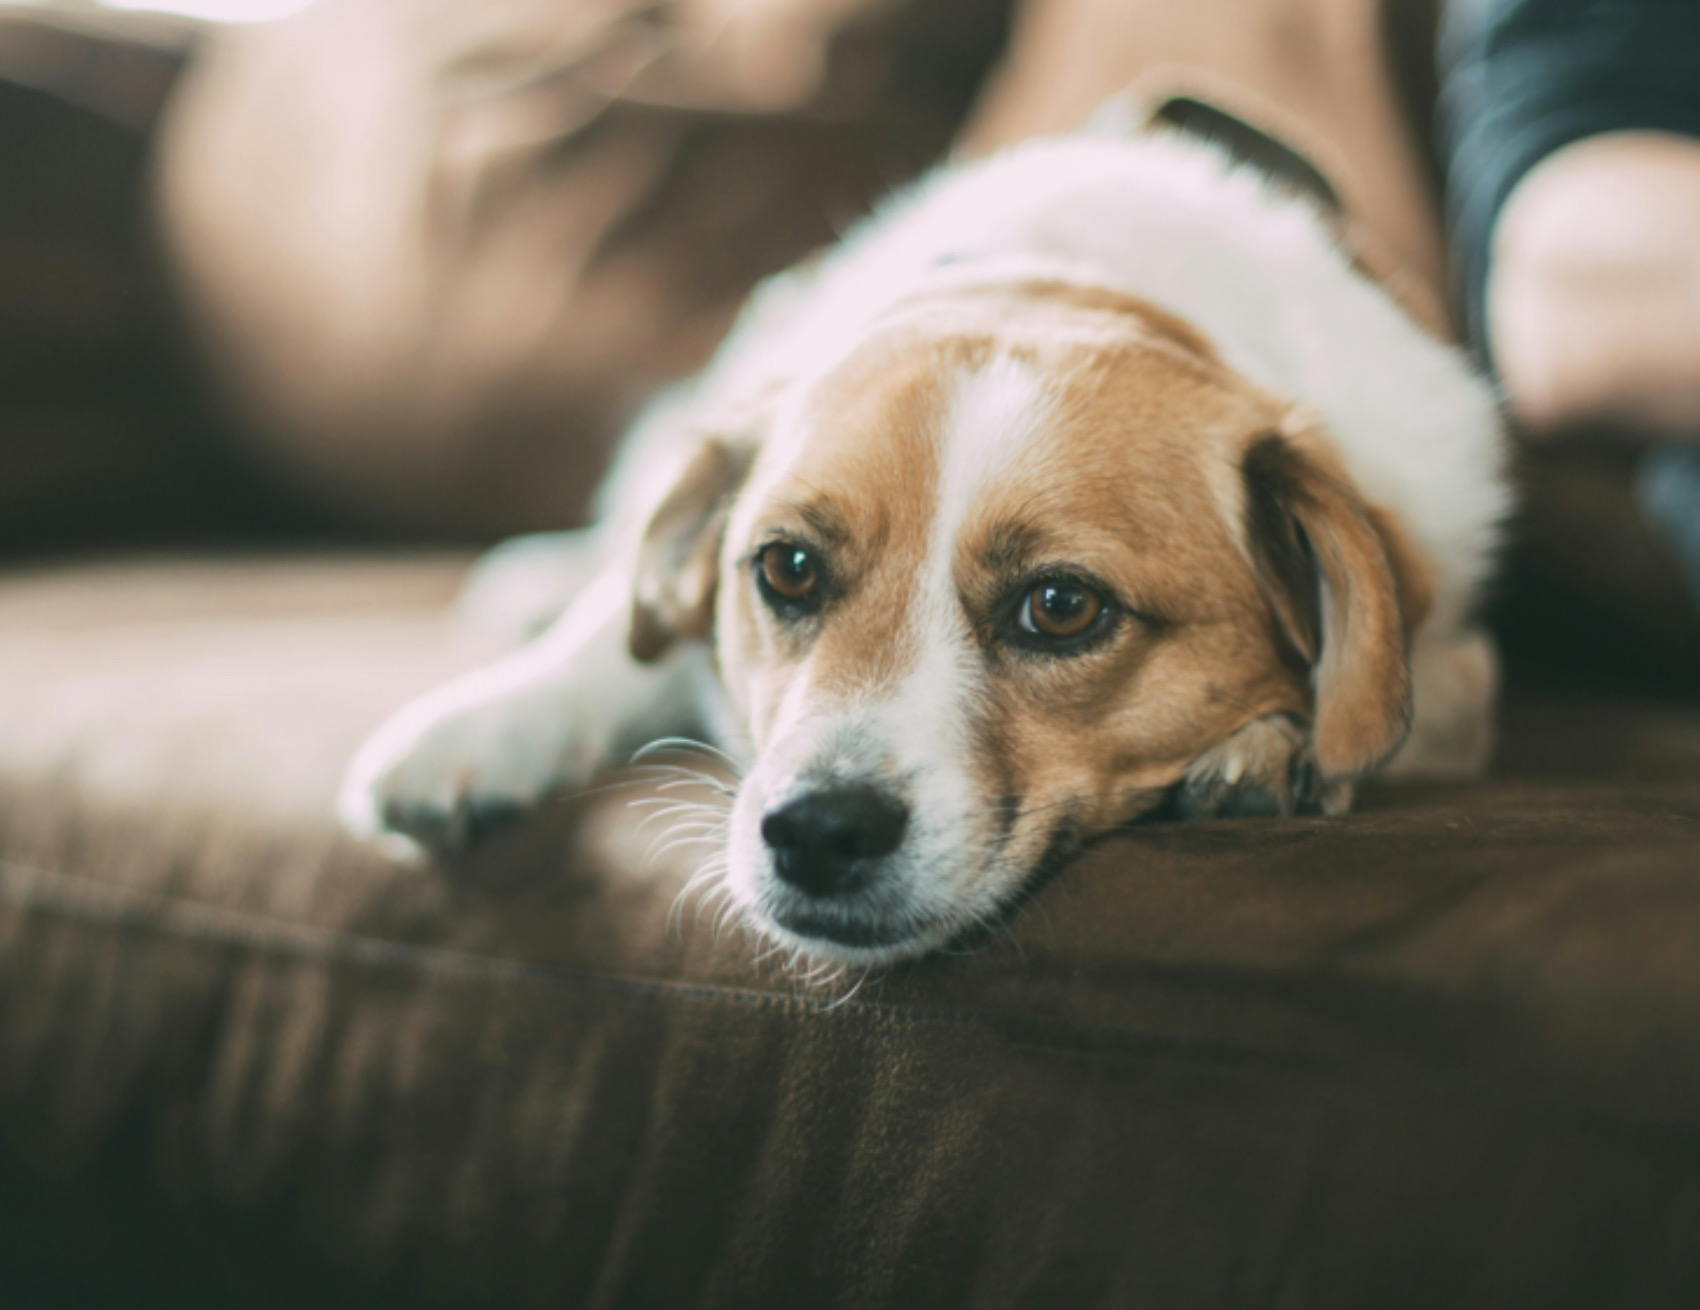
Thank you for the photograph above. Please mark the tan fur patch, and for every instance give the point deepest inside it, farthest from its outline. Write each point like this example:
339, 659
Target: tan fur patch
674, 583
1142, 426
1411, 574
1342, 605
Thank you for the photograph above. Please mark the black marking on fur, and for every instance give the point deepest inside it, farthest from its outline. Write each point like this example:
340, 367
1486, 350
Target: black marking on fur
1286, 563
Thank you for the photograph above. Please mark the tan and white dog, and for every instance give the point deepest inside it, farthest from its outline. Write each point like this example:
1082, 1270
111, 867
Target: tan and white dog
1082, 481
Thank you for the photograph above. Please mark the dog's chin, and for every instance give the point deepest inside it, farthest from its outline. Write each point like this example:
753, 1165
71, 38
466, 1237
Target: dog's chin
871, 931
893, 922
859, 939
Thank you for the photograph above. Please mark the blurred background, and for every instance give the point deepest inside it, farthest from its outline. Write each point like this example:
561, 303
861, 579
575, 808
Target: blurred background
402, 272
405, 270
303, 304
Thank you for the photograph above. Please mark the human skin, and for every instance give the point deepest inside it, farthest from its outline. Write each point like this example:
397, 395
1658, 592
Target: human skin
1594, 294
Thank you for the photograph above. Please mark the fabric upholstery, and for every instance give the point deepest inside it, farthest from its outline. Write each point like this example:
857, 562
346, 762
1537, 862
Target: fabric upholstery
1590, 582
105, 439
1441, 1052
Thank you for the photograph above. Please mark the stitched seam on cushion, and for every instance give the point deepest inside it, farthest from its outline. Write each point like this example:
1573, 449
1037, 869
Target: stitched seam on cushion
69, 896
92, 900
108, 904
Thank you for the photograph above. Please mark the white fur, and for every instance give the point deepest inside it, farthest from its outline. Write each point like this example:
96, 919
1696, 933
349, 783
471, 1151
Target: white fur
1162, 217
920, 731
545, 718
1258, 272
1255, 270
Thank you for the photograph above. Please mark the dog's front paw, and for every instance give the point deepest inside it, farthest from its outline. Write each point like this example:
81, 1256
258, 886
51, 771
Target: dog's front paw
1262, 769
442, 777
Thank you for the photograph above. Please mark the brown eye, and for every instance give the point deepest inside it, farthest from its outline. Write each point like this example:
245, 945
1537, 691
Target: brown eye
788, 571
1060, 609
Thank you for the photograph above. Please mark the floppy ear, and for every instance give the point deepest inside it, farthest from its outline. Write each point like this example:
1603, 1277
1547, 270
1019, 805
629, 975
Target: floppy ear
1346, 592
678, 559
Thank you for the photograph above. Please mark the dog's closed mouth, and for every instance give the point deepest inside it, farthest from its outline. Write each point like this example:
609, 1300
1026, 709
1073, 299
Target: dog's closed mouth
872, 931
866, 934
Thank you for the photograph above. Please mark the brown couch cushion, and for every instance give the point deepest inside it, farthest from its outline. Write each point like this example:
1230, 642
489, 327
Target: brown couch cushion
100, 438
1442, 1052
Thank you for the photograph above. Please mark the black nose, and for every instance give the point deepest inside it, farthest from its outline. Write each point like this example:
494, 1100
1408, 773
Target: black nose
831, 840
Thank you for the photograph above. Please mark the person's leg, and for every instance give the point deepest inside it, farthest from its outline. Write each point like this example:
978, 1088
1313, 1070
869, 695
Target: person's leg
1572, 142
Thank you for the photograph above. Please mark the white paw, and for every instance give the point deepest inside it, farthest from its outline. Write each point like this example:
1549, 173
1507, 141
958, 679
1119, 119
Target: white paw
451, 769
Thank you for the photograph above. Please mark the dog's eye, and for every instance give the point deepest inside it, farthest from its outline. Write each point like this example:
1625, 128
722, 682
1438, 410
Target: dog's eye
788, 571
1060, 609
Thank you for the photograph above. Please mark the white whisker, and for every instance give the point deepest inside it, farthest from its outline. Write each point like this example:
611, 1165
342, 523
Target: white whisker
708, 875
688, 745
711, 784
683, 839
677, 809
854, 988
648, 802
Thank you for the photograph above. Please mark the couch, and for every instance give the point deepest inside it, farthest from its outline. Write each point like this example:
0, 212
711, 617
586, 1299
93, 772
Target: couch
1437, 1053
1442, 1052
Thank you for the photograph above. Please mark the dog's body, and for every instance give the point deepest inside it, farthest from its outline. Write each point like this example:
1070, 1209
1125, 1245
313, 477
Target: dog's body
1081, 479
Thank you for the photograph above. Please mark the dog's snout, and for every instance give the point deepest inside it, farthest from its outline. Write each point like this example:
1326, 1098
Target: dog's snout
830, 840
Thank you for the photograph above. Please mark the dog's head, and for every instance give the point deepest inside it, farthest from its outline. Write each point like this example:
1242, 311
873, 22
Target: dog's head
994, 582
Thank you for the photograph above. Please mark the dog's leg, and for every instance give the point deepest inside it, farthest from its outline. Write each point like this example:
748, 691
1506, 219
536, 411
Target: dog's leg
476, 753
519, 588
1262, 769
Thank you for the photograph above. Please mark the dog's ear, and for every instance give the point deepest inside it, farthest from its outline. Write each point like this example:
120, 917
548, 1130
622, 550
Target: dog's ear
678, 559
1346, 592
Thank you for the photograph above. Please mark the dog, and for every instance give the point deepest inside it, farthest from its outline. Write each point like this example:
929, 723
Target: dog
1081, 483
